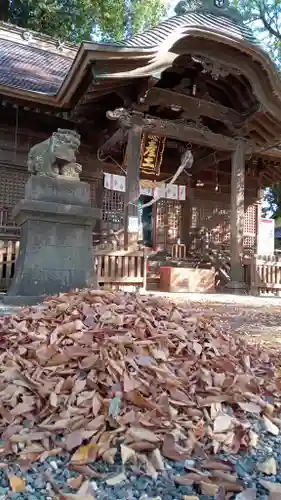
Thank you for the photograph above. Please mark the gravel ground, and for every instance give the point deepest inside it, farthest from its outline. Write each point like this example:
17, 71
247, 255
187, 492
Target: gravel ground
135, 486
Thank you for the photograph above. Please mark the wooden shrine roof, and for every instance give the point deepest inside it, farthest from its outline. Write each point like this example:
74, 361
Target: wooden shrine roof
36, 67
216, 22
33, 62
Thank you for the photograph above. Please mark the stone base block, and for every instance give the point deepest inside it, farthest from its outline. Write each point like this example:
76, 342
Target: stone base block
55, 256
23, 300
236, 287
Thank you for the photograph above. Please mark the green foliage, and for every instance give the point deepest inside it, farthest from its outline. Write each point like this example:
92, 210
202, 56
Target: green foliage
78, 20
264, 17
272, 205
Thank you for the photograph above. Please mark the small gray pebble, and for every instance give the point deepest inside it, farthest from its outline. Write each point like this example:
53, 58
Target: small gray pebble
54, 465
189, 463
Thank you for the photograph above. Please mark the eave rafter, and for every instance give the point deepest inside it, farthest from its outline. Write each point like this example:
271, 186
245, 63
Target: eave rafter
191, 106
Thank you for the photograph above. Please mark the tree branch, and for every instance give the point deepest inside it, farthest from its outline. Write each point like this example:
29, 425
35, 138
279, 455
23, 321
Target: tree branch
266, 23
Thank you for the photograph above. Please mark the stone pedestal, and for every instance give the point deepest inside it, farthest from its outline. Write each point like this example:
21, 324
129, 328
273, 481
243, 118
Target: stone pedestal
56, 221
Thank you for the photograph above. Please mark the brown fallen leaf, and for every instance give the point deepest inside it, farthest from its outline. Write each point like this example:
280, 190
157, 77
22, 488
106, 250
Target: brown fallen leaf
157, 460
269, 466
172, 451
53, 399
85, 454
86, 489
17, 484
270, 426
271, 487
225, 476
209, 488
73, 440
109, 456
187, 479
250, 408
141, 434
222, 423
75, 482
127, 454
143, 446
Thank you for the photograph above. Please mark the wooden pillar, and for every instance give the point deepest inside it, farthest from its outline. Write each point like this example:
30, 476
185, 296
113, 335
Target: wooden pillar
131, 212
237, 216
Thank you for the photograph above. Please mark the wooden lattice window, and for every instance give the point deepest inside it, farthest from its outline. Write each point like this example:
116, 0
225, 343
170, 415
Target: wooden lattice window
250, 228
210, 223
168, 223
113, 209
174, 209
12, 182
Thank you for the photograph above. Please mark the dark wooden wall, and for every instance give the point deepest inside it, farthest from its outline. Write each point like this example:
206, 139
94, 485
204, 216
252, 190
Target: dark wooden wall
174, 220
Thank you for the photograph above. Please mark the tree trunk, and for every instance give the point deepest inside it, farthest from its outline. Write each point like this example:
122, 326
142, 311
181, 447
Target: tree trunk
4, 10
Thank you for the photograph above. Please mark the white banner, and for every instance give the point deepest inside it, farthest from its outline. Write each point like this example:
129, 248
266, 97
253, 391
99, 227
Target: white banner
266, 237
170, 191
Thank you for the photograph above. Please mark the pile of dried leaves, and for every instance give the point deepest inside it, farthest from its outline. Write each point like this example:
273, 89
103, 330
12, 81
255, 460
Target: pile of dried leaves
97, 374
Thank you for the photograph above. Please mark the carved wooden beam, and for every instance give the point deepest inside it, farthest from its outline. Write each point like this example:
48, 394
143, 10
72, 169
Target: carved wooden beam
192, 106
179, 131
118, 136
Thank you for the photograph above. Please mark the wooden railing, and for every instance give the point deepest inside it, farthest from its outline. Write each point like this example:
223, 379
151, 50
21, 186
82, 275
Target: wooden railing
121, 269
8, 228
265, 274
8, 254
128, 270
117, 270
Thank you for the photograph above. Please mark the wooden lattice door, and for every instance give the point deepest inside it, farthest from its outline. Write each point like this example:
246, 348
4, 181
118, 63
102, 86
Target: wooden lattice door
168, 223
210, 223
12, 183
112, 210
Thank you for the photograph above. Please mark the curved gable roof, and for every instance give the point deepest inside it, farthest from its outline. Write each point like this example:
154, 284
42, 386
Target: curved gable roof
202, 18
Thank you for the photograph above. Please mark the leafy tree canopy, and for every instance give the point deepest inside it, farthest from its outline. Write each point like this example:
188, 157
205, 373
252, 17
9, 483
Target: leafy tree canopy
78, 20
264, 17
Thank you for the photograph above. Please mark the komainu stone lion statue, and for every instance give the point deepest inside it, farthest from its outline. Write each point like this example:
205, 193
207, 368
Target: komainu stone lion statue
56, 156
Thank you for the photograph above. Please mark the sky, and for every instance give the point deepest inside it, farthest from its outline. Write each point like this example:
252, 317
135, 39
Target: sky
171, 5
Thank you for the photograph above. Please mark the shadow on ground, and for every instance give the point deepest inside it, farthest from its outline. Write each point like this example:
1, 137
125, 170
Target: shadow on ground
259, 325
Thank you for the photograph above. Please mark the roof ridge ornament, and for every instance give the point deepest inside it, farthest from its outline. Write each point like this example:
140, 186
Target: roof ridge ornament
27, 36
217, 7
